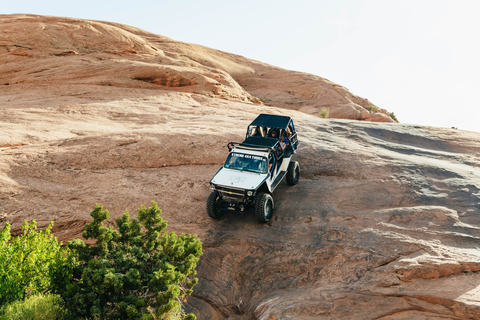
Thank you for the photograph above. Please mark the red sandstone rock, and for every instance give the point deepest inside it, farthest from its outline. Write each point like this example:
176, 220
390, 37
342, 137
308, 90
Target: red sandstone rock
384, 223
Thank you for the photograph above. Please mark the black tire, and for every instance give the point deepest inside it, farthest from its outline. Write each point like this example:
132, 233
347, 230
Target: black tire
293, 173
213, 205
264, 207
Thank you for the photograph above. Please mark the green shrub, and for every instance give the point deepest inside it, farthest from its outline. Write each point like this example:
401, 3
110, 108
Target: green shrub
32, 263
324, 113
137, 272
392, 115
35, 307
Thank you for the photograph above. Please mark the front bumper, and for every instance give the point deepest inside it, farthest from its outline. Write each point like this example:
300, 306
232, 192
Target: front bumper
234, 198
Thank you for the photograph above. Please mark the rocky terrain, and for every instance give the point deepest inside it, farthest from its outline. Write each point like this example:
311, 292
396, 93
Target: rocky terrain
384, 224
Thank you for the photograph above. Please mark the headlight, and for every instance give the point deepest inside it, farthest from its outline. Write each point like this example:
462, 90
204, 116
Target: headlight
249, 193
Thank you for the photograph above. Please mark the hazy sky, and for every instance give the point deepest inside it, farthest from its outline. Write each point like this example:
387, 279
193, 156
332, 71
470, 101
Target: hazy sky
416, 58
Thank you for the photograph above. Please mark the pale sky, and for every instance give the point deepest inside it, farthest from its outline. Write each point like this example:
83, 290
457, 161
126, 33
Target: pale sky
416, 58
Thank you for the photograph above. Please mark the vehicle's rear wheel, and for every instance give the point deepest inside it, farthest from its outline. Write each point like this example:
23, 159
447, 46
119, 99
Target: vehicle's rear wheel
264, 207
293, 173
213, 205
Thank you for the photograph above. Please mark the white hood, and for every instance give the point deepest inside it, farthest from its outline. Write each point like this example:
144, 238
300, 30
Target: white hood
238, 179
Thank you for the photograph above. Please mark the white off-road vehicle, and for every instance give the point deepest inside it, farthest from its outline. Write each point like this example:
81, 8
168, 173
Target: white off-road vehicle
255, 167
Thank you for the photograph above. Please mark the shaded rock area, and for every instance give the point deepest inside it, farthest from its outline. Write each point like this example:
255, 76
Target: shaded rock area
384, 224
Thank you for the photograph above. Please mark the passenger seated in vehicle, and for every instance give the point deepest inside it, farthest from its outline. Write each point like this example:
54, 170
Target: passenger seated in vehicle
258, 132
283, 142
270, 165
262, 167
289, 131
273, 133
236, 162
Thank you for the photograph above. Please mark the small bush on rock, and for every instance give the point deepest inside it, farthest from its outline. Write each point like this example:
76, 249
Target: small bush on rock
32, 263
392, 115
324, 113
135, 272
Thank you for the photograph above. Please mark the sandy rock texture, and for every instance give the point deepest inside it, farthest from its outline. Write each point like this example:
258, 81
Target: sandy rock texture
62, 58
384, 224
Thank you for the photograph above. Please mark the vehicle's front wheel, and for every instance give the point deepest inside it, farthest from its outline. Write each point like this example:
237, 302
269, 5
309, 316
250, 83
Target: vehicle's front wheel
264, 207
213, 205
293, 173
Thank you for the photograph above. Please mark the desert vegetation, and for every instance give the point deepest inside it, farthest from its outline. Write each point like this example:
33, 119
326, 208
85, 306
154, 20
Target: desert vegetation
324, 113
134, 271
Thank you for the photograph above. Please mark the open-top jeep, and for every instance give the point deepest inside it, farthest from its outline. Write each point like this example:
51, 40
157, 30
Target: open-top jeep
255, 167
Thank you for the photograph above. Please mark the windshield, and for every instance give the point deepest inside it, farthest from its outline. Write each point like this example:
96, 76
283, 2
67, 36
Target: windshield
246, 162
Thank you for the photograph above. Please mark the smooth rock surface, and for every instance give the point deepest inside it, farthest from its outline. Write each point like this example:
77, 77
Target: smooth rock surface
384, 223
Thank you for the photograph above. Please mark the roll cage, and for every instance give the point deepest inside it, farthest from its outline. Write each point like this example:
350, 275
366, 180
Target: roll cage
274, 131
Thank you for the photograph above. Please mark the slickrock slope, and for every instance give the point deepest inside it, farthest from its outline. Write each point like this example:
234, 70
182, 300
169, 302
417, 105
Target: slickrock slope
384, 224
74, 54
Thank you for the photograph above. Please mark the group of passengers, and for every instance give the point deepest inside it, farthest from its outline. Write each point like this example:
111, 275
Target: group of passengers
282, 135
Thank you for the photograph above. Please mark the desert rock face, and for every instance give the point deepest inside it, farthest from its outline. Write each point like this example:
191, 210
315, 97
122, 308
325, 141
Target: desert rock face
384, 224
72, 53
